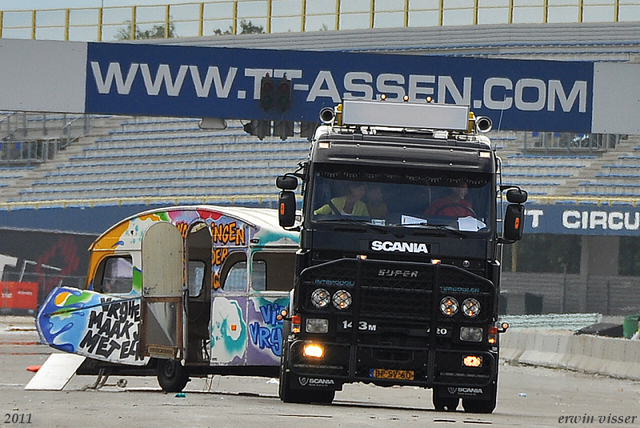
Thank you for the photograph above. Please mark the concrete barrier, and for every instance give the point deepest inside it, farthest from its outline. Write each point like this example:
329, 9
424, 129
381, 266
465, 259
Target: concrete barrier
616, 357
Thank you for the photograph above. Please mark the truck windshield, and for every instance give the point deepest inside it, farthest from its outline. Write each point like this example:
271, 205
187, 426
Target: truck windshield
402, 197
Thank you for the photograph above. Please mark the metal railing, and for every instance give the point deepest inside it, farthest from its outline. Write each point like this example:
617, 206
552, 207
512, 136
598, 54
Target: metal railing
37, 137
568, 143
278, 16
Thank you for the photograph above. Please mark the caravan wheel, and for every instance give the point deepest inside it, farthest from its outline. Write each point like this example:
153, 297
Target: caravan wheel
172, 375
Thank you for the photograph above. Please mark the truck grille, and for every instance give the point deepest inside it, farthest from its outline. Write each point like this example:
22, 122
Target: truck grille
388, 328
404, 291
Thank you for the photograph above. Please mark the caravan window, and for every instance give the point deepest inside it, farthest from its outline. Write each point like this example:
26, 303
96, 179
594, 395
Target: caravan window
273, 271
236, 278
195, 277
117, 275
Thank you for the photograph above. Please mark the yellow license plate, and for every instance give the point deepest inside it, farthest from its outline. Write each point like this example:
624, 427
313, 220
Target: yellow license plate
392, 374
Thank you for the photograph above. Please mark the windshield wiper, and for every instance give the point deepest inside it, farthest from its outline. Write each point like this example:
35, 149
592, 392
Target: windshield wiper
425, 225
345, 219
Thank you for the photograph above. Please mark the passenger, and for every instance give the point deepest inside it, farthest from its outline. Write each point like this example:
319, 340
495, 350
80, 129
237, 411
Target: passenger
351, 204
375, 202
453, 204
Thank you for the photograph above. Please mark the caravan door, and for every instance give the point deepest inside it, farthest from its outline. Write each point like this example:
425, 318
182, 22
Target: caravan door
162, 291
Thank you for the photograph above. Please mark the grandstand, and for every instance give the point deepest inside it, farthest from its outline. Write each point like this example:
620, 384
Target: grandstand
582, 175
173, 160
164, 159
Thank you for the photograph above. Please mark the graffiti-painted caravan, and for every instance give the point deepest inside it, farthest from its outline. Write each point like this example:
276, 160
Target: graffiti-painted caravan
179, 292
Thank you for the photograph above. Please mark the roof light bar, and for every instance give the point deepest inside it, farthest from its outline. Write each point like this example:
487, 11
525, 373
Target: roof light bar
405, 115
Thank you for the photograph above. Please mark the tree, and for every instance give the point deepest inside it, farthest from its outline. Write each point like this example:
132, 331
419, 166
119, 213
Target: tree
246, 28
156, 32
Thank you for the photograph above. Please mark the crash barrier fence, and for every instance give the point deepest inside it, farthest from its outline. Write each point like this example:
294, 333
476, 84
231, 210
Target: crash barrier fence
562, 349
278, 16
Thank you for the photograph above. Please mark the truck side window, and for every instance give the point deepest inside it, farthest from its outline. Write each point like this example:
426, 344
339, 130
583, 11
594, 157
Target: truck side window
117, 275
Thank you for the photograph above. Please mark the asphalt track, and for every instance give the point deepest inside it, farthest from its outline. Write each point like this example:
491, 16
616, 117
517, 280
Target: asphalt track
527, 397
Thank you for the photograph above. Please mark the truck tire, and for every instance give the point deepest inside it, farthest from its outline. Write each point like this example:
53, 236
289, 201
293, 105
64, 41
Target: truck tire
444, 404
172, 375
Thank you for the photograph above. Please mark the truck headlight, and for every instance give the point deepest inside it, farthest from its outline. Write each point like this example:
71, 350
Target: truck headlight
316, 325
342, 299
472, 361
320, 298
312, 350
471, 307
449, 306
471, 334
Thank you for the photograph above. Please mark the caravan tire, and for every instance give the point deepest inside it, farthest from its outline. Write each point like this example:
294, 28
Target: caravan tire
172, 375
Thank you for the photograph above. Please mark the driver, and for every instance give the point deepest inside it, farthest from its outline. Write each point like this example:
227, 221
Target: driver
453, 204
351, 204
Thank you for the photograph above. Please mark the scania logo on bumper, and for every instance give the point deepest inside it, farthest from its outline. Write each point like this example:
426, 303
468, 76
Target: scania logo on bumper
401, 247
465, 391
306, 381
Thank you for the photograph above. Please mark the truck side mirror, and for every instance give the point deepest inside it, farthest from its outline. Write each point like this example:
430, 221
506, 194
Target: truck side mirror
287, 208
513, 222
517, 196
286, 182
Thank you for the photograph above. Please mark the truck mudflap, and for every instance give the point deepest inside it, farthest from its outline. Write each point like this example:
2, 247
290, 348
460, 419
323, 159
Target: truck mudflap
393, 331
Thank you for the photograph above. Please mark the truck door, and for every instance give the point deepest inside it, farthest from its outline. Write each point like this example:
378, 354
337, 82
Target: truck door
162, 285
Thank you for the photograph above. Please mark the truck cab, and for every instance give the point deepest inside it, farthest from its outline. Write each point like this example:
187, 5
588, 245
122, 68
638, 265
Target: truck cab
398, 272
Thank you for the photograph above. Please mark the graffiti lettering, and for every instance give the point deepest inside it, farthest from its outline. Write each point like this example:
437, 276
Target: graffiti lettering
270, 313
219, 255
228, 233
111, 328
266, 337
182, 227
270, 335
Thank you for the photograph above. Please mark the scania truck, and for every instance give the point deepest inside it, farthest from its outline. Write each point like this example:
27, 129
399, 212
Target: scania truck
397, 276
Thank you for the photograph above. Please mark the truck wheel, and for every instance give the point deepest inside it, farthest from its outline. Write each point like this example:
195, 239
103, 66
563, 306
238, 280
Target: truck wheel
444, 404
172, 375
480, 406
